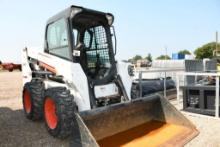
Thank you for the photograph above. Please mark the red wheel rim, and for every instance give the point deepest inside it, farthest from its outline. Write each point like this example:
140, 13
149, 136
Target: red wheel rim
27, 101
50, 113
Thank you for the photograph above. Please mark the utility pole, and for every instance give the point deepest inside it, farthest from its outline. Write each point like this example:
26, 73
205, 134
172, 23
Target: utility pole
216, 47
165, 76
165, 52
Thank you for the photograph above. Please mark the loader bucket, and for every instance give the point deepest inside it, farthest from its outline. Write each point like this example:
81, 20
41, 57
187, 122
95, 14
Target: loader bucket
150, 121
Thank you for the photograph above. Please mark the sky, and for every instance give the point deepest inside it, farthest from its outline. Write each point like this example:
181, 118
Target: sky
142, 26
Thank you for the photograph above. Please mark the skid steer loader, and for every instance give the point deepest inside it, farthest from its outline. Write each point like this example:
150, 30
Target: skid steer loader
79, 88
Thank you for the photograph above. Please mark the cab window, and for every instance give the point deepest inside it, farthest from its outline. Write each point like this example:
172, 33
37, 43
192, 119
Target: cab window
57, 39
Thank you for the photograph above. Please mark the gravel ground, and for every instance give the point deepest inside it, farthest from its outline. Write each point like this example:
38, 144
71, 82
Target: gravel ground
209, 128
17, 131
209, 131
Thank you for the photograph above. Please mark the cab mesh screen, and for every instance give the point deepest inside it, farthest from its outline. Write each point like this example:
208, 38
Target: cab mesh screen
95, 40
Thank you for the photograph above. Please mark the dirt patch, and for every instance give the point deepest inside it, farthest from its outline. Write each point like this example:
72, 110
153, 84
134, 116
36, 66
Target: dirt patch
10, 86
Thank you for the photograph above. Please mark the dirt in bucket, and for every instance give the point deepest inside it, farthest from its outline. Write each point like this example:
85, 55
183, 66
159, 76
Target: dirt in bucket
153, 133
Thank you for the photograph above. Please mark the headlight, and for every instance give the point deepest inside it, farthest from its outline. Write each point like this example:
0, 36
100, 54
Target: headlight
75, 11
130, 70
110, 18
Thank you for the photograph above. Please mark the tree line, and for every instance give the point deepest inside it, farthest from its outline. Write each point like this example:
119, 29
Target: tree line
207, 50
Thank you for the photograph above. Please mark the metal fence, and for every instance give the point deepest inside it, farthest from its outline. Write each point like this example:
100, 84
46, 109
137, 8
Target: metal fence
162, 72
179, 78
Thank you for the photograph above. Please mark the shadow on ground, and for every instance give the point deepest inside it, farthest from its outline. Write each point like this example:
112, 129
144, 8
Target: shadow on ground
16, 130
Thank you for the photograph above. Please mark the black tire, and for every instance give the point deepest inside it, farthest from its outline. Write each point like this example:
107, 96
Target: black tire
35, 88
10, 70
64, 111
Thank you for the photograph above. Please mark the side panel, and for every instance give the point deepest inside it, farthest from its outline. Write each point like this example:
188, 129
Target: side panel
73, 76
122, 69
80, 84
26, 71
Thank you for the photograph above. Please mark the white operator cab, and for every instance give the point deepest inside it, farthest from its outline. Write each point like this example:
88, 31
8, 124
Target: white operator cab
79, 55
